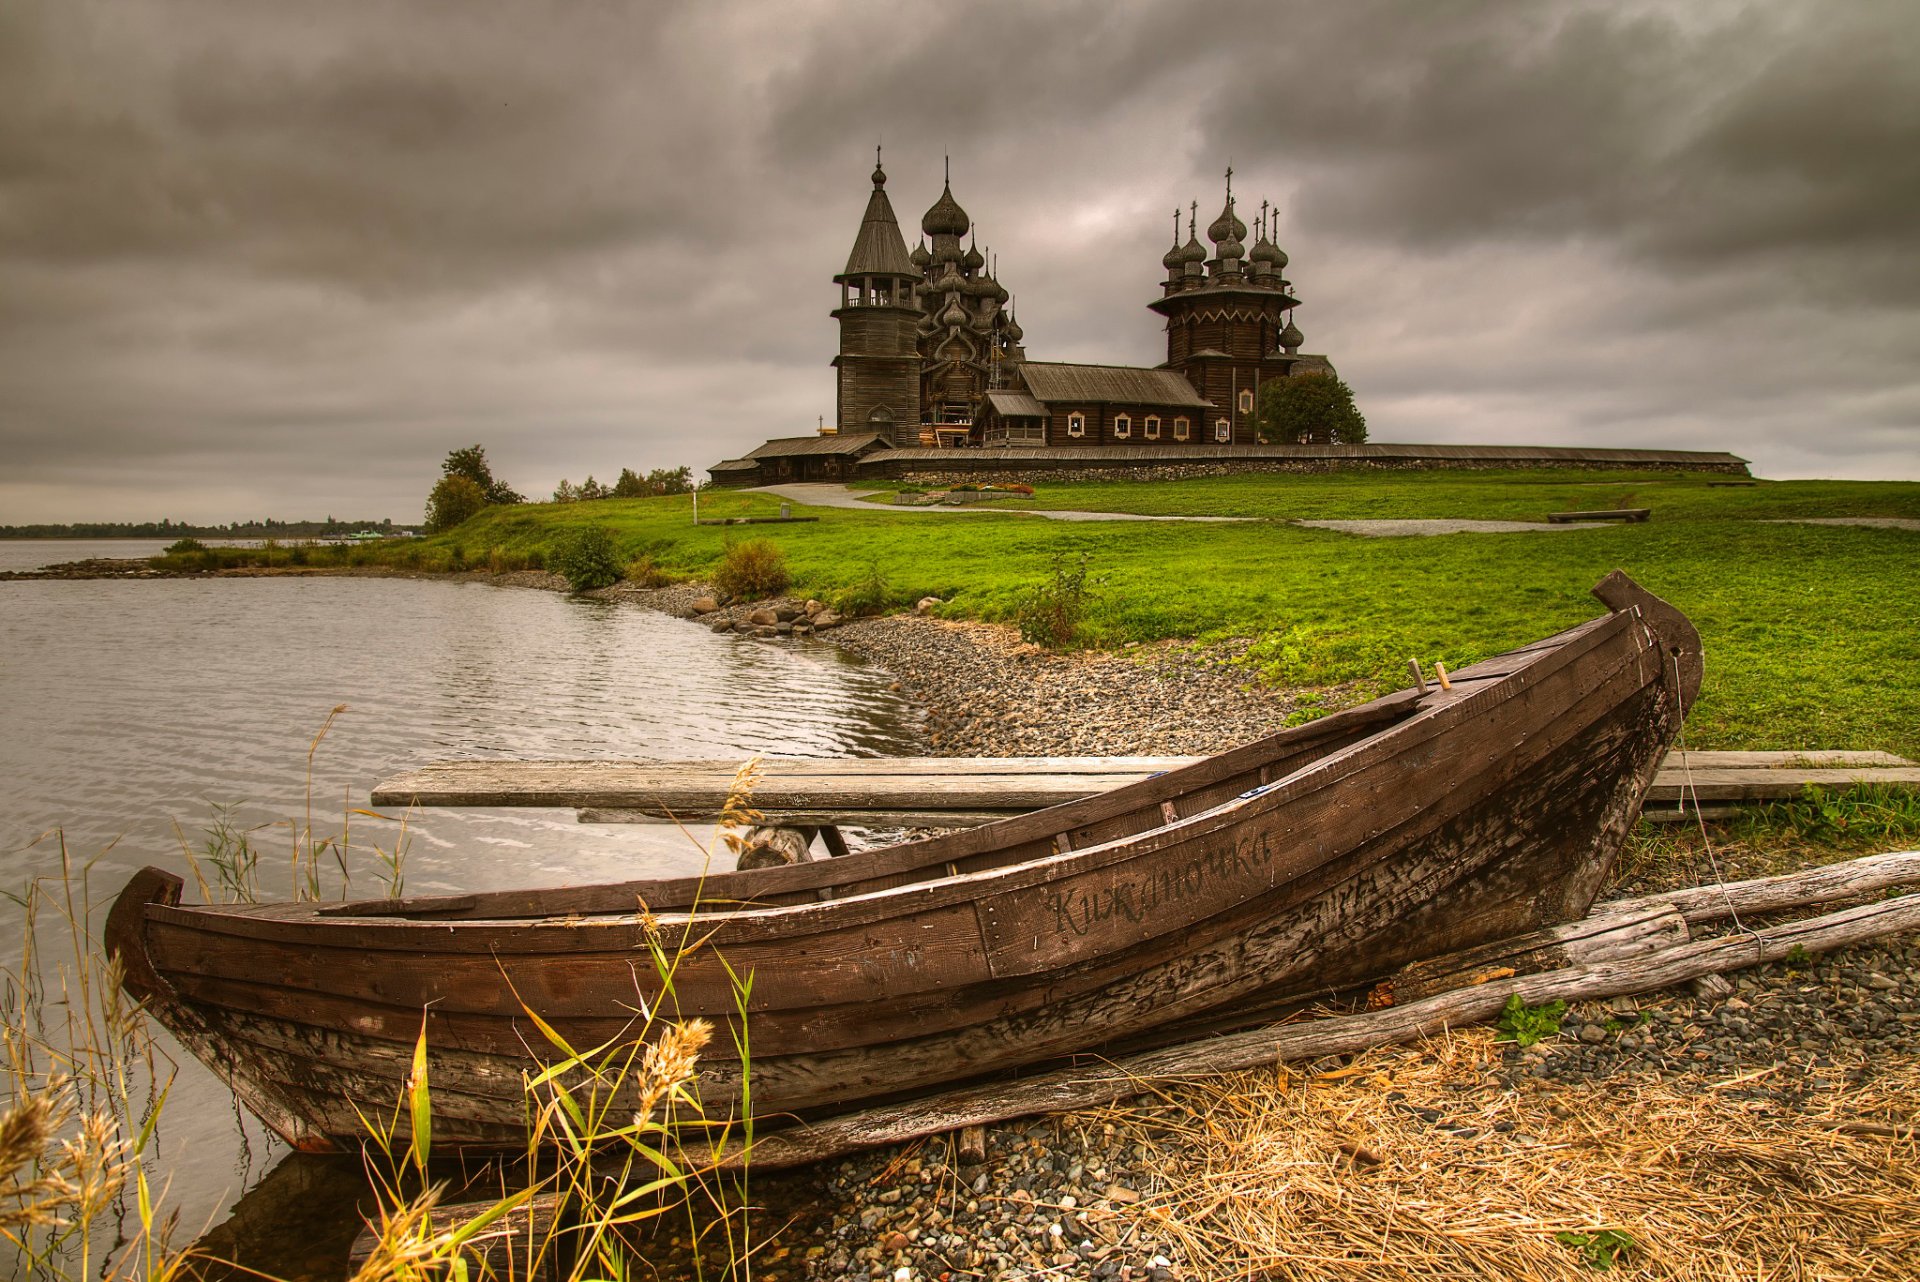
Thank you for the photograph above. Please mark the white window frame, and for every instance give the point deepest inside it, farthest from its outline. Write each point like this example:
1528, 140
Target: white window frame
1182, 428
1122, 426
1076, 424
1246, 400
1151, 428
1223, 430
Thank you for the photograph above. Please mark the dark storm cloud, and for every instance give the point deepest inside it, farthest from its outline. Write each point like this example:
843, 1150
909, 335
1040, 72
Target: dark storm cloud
275, 256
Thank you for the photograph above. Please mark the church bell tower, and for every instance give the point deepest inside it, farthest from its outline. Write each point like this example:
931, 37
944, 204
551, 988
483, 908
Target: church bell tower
879, 362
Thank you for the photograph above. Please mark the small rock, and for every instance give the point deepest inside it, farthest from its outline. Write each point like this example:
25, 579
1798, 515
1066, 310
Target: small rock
704, 605
763, 618
1592, 1034
926, 603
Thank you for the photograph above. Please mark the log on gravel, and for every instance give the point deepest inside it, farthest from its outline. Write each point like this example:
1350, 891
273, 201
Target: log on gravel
1076, 1088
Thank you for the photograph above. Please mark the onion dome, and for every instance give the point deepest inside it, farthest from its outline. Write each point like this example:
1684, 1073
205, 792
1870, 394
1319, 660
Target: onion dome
1264, 250
950, 282
1231, 248
920, 256
946, 218
981, 287
973, 259
1014, 332
1291, 337
1227, 226
1000, 294
954, 315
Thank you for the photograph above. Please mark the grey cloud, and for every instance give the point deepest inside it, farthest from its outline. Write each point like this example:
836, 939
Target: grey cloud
295, 251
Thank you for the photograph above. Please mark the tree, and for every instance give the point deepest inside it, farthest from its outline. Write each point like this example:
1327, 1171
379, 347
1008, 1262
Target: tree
1310, 409
591, 489
564, 492
629, 486
471, 463
455, 499
677, 480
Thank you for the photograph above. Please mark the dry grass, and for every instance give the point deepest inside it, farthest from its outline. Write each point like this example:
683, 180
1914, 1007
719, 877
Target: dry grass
1332, 1177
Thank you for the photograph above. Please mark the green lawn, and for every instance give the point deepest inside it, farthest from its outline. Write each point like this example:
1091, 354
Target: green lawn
1812, 633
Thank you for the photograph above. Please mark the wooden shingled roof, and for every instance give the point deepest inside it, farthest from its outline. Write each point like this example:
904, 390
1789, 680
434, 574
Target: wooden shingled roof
789, 446
1109, 384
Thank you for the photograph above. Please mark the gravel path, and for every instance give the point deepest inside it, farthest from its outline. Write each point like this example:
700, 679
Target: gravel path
1424, 526
1069, 1196
843, 496
1875, 522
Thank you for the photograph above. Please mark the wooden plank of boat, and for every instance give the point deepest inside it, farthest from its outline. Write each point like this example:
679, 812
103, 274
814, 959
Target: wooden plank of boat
1422, 823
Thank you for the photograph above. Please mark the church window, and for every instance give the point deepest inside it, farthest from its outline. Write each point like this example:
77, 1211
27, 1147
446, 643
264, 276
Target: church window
1222, 430
1182, 428
1123, 426
1246, 402
1153, 427
1076, 424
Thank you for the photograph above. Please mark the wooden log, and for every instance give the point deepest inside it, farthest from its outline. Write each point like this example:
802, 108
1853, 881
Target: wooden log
1077, 1088
972, 1145
1596, 940
1851, 879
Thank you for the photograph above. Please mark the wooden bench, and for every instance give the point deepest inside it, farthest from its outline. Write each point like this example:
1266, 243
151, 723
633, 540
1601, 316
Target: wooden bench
1630, 515
819, 795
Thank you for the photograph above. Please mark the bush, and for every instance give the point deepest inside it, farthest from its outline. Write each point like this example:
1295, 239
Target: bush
586, 559
752, 569
179, 546
646, 572
1051, 613
869, 594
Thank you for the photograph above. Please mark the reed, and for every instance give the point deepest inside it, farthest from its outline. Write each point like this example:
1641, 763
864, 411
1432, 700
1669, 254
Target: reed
618, 1138
85, 1086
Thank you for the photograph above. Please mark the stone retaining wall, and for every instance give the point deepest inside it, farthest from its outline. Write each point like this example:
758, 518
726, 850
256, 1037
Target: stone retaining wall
1007, 471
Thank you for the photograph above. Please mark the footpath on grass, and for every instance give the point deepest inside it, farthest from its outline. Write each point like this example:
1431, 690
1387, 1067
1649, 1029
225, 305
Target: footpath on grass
844, 496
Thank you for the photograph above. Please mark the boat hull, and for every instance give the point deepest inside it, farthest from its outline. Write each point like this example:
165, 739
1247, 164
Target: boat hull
1431, 821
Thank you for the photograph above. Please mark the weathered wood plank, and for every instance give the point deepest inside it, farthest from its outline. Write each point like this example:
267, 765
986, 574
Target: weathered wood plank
814, 791
1632, 515
1672, 786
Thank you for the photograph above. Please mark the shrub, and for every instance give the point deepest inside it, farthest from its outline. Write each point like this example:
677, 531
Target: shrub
869, 594
586, 559
1051, 612
179, 546
646, 572
755, 568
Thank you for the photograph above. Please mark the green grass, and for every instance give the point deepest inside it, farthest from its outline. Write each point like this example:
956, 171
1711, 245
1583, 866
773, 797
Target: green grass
1812, 633
1505, 496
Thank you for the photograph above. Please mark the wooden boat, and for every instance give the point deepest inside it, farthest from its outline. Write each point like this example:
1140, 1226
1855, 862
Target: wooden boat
1428, 820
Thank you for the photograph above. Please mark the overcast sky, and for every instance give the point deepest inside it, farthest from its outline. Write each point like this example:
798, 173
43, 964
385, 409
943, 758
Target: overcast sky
263, 258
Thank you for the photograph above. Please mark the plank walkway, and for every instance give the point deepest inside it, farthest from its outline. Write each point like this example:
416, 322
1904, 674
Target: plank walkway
965, 791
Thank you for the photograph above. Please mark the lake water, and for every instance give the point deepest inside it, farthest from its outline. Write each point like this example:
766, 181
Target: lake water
136, 711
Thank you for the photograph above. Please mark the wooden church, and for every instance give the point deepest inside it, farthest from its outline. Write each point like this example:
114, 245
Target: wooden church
932, 357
